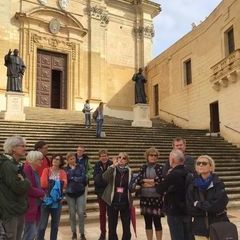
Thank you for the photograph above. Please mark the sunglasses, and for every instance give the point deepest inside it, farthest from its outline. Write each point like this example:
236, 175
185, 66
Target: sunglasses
124, 158
153, 155
202, 163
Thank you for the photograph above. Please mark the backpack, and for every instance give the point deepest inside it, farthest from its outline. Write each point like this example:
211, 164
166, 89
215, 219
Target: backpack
223, 231
95, 115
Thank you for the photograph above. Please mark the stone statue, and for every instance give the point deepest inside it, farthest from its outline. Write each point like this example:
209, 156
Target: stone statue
139, 79
15, 71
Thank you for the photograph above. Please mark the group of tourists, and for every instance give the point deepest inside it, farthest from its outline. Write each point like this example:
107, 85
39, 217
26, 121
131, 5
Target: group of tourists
186, 191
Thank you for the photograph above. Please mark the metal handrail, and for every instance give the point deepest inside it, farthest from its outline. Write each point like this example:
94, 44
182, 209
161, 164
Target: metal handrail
232, 129
185, 119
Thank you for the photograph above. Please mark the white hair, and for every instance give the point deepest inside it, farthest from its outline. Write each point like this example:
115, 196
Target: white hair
33, 156
177, 155
12, 142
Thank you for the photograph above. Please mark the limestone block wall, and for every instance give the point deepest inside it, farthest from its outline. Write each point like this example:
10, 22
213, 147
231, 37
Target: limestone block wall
188, 105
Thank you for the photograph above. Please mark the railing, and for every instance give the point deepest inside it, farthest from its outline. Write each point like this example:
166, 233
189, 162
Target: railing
185, 119
232, 129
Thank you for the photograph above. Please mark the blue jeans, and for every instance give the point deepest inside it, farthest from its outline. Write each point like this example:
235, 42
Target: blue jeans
99, 127
77, 205
30, 230
179, 227
55, 219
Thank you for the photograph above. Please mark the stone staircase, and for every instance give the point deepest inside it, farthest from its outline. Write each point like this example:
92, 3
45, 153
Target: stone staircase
65, 137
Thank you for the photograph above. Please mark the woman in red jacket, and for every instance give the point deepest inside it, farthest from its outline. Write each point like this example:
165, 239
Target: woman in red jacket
52, 176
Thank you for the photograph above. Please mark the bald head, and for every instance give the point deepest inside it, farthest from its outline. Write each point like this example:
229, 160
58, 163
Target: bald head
176, 158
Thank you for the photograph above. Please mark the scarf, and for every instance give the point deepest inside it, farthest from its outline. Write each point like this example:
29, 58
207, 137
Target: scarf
201, 183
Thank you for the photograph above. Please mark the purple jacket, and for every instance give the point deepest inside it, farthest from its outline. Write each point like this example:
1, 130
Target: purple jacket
35, 193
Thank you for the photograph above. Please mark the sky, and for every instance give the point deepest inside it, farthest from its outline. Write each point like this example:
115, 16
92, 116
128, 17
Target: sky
176, 18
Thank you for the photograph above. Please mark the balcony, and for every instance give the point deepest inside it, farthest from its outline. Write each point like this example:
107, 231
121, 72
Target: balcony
226, 72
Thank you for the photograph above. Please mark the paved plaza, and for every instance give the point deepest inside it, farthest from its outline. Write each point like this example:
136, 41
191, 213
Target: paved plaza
92, 229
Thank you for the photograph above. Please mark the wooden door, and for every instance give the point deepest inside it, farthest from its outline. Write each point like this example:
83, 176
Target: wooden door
51, 80
44, 76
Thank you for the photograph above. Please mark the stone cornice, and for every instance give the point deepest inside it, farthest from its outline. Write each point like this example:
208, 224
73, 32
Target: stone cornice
226, 71
147, 6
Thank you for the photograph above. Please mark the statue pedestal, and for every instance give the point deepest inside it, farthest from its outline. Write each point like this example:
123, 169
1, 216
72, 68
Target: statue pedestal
141, 113
14, 109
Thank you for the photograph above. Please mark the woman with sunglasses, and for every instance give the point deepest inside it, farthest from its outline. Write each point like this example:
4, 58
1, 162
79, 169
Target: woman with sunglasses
117, 196
148, 177
206, 198
53, 181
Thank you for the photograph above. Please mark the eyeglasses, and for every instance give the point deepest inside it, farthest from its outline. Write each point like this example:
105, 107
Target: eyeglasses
202, 163
124, 158
153, 155
21, 145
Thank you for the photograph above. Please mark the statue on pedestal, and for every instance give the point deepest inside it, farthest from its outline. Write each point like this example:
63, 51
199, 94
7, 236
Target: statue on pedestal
15, 70
139, 79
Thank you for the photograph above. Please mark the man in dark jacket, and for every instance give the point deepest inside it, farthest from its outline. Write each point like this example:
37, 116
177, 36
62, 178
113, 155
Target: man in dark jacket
13, 188
174, 187
189, 163
100, 167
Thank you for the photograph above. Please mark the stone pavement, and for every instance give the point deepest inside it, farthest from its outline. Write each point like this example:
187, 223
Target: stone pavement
92, 229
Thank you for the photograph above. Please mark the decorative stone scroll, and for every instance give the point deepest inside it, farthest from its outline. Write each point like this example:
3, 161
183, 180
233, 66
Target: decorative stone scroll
100, 14
53, 42
226, 71
147, 31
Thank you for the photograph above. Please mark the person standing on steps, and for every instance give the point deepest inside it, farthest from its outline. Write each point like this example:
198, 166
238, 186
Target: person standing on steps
42, 147
117, 196
174, 188
99, 119
13, 188
189, 163
87, 112
75, 195
83, 160
100, 184
151, 205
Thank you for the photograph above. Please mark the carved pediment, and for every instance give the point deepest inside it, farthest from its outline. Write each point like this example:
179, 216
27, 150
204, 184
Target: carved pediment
45, 15
226, 71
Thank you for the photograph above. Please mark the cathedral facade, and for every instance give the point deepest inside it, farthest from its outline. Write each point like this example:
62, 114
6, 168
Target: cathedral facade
77, 49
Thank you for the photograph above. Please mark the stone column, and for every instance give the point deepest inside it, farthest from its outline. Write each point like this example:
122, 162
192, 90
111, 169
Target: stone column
97, 23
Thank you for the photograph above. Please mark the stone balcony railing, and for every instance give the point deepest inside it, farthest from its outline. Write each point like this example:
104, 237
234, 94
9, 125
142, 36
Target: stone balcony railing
226, 71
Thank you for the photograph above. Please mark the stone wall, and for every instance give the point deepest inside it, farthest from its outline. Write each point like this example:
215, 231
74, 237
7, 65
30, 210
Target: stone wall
215, 75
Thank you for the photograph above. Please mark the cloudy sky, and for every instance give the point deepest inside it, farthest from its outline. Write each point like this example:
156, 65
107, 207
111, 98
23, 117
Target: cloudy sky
176, 18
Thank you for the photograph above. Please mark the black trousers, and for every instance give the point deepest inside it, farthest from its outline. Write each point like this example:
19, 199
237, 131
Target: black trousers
113, 213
